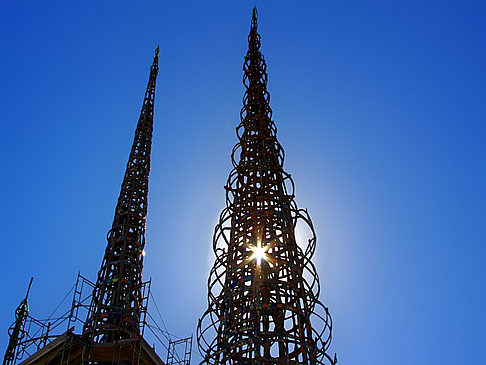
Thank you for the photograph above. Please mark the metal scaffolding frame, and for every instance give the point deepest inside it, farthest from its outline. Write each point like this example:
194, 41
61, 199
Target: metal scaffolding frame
173, 357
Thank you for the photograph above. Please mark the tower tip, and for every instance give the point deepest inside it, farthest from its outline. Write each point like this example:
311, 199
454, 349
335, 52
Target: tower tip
156, 57
28, 288
254, 15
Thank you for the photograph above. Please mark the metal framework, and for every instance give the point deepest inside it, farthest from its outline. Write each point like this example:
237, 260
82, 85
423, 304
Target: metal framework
40, 340
30, 335
16, 332
57, 336
263, 290
185, 347
105, 326
115, 311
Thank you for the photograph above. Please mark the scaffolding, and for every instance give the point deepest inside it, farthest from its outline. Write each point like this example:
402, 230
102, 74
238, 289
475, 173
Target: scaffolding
34, 334
185, 346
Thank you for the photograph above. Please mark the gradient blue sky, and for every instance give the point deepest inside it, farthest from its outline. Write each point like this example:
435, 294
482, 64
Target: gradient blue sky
380, 107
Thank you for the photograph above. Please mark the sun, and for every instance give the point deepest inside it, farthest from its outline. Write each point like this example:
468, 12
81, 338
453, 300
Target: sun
259, 253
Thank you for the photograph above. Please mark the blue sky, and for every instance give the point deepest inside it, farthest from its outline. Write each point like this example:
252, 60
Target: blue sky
380, 107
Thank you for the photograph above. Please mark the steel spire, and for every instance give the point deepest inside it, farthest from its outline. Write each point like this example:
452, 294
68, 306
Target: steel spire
16, 330
115, 309
263, 290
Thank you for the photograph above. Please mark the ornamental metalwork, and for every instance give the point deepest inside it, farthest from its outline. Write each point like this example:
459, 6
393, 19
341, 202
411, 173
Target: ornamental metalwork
263, 290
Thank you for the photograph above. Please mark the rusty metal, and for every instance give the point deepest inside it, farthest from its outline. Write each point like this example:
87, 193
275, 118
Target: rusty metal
263, 290
115, 311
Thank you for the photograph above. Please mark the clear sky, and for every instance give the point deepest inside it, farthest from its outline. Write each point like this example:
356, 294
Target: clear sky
380, 107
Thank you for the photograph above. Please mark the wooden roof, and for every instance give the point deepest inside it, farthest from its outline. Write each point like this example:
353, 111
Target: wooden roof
72, 349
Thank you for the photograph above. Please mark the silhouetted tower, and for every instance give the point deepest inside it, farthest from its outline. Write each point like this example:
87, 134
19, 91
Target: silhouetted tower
16, 331
116, 305
113, 328
263, 305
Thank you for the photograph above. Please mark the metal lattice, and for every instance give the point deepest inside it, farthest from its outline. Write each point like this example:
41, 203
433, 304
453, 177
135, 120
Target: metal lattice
107, 319
115, 310
177, 348
17, 331
263, 289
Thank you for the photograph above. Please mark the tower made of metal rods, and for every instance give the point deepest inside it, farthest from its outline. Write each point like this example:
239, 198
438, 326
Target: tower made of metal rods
16, 330
115, 310
263, 290
107, 319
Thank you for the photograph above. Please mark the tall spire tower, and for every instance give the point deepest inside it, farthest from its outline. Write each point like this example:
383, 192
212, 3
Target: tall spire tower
263, 300
112, 330
16, 331
116, 304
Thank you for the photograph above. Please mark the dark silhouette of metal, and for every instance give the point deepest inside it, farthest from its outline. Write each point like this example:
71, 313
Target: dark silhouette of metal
16, 331
116, 311
112, 317
27, 334
263, 289
40, 342
185, 348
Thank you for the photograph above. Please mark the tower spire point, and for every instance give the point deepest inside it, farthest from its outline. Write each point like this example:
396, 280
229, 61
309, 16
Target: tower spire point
155, 63
254, 17
28, 288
